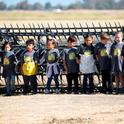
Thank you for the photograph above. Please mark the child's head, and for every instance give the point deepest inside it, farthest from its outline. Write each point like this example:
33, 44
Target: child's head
30, 45
88, 39
71, 41
7, 46
51, 43
119, 36
104, 38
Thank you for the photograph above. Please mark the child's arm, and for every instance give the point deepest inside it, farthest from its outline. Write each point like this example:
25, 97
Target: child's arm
1, 58
122, 54
21, 61
16, 62
65, 66
79, 51
36, 58
96, 53
97, 58
58, 55
112, 50
78, 59
122, 57
64, 61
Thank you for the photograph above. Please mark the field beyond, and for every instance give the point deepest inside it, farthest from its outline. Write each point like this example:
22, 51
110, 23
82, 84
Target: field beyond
70, 16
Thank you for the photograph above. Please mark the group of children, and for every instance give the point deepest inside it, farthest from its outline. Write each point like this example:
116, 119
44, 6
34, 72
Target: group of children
82, 59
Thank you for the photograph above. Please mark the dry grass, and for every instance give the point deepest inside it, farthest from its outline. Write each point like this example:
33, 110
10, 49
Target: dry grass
64, 15
20, 17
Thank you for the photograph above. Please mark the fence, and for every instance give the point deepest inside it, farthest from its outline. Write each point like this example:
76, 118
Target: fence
19, 34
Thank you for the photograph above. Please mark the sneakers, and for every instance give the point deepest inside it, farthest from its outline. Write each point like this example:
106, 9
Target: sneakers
8, 94
121, 90
47, 91
57, 91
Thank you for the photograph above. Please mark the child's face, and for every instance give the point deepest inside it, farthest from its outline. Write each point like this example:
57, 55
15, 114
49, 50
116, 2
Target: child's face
50, 45
89, 41
105, 41
7, 48
71, 44
118, 37
30, 47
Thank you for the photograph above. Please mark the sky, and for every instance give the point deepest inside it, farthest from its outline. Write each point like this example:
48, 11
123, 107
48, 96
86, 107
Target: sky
53, 2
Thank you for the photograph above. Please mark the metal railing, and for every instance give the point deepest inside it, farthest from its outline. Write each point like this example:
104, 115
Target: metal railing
19, 34
58, 31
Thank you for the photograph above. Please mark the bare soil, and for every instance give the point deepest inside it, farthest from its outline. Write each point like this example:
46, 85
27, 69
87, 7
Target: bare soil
62, 109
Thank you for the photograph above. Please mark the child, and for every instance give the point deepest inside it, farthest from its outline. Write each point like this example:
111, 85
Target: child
104, 60
116, 50
8, 62
29, 61
87, 66
51, 57
71, 63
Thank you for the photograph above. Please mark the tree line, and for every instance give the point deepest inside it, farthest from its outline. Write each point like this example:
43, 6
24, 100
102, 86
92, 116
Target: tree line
84, 4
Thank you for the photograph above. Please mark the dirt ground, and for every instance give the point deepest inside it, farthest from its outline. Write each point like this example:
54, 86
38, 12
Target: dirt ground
62, 109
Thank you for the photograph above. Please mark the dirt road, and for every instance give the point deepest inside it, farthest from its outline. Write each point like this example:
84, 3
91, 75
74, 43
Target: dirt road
62, 109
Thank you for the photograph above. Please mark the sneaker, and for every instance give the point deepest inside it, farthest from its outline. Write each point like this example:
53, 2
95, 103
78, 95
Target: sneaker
91, 91
34, 93
8, 94
110, 91
69, 92
76, 92
47, 91
117, 91
121, 90
25, 93
57, 91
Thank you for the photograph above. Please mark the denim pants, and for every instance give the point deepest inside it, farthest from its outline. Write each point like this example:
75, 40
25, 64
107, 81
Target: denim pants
56, 82
10, 84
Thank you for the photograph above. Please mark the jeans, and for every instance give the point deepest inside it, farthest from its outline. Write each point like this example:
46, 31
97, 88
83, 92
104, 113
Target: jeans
10, 84
56, 82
